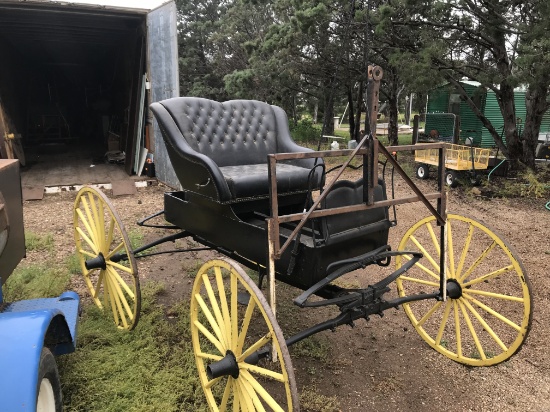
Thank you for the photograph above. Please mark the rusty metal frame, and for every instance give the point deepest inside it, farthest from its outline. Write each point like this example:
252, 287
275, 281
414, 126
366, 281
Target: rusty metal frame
370, 148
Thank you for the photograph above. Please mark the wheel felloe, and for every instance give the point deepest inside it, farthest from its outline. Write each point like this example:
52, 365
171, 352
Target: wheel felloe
228, 337
106, 257
487, 315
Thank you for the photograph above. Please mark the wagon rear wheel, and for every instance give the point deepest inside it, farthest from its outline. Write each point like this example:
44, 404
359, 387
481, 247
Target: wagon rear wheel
487, 315
227, 336
106, 257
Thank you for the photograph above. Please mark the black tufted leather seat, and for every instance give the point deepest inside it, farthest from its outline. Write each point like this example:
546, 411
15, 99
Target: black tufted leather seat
220, 149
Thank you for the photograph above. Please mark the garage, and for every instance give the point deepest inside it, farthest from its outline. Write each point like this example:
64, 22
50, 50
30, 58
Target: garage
75, 85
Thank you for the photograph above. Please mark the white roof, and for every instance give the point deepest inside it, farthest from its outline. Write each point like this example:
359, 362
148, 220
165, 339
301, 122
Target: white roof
126, 4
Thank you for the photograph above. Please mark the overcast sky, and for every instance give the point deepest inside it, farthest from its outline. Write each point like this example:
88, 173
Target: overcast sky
138, 4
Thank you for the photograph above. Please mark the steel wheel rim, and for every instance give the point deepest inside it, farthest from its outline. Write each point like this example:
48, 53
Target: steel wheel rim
99, 229
421, 172
491, 319
46, 397
213, 336
449, 179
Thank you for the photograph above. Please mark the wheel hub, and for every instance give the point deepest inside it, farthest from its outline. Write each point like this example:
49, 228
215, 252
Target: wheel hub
96, 263
226, 366
454, 290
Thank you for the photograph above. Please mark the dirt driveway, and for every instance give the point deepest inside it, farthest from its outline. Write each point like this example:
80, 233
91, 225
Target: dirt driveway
383, 364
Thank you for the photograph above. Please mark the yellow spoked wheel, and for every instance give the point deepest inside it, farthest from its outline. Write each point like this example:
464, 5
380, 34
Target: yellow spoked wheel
106, 257
487, 314
228, 337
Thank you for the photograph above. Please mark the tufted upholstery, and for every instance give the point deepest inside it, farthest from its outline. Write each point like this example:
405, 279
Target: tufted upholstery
220, 149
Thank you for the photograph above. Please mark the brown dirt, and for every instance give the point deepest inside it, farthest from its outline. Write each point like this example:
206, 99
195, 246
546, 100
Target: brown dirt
382, 364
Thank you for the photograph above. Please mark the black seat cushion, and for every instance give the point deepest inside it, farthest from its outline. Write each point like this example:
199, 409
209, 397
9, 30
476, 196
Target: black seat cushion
252, 180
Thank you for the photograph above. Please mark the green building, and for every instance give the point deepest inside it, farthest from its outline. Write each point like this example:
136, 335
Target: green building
444, 104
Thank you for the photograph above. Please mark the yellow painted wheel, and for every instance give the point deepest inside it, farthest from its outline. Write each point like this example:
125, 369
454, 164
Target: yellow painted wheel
226, 336
487, 315
106, 257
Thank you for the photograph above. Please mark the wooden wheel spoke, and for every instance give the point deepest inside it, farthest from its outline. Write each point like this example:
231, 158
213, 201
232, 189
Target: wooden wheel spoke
450, 252
213, 382
86, 253
252, 392
429, 313
120, 267
115, 250
215, 307
260, 343
489, 330
120, 294
263, 372
236, 396
457, 330
213, 324
209, 336
494, 274
100, 229
443, 322
480, 259
90, 220
494, 313
121, 282
224, 304
209, 356
100, 281
86, 225
245, 325
246, 399
88, 240
120, 301
492, 295
472, 330
465, 250
433, 237
226, 395
420, 281
423, 268
425, 253
260, 390
234, 312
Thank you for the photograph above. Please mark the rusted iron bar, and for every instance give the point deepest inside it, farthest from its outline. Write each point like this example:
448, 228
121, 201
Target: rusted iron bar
356, 208
411, 184
273, 158
272, 171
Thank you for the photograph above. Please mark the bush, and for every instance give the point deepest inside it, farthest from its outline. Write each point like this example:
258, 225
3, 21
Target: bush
304, 131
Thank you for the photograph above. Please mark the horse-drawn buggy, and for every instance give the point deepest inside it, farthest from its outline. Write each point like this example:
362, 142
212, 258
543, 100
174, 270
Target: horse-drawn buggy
253, 195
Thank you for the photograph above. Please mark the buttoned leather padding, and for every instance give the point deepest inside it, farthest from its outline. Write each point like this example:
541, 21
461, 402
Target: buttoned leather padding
220, 149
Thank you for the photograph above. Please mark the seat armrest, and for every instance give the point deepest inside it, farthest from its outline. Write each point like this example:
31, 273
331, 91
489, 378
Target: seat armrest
285, 144
195, 171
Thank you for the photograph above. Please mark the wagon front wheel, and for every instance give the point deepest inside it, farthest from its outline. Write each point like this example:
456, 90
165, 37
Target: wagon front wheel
422, 171
232, 343
487, 315
106, 257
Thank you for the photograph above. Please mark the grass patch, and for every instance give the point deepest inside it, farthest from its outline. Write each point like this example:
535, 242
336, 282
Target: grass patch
136, 238
36, 281
149, 369
312, 401
73, 264
39, 242
315, 347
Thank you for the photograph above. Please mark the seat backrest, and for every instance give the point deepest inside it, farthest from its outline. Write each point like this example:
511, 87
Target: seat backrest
349, 226
231, 133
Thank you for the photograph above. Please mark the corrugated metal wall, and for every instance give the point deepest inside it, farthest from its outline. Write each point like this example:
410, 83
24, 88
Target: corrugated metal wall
470, 125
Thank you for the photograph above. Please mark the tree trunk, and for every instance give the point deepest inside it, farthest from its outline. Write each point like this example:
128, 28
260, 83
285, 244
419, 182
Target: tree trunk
358, 135
351, 117
536, 105
393, 96
508, 109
